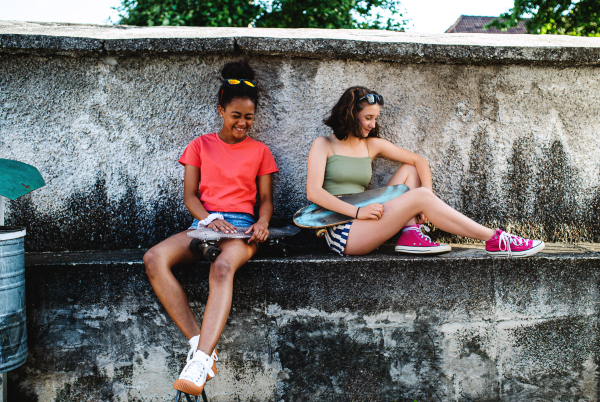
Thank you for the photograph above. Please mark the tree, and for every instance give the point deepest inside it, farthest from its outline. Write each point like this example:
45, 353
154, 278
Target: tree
367, 14
332, 14
564, 17
231, 13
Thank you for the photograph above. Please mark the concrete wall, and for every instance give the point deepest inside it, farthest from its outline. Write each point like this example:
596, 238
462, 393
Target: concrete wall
508, 124
460, 327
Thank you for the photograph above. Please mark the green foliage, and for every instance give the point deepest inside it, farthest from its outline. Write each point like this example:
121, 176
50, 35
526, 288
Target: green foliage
366, 14
564, 17
331, 14
212, 13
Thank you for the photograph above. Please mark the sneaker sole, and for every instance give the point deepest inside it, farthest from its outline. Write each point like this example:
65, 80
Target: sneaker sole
442, 248
518, 254
188, 387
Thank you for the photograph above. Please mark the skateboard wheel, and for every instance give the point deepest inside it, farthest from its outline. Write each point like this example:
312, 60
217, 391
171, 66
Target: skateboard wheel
211, 253
283, 250
320, 232
196, 246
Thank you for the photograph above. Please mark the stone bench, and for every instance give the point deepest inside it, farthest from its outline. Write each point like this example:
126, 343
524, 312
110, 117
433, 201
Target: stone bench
317, 326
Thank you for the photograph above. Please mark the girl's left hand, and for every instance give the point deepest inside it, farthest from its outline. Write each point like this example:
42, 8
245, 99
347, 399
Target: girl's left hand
261, 233
421, 219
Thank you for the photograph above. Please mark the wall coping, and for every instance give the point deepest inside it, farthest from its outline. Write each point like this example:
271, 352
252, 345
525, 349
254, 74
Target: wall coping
39, 38
319, 255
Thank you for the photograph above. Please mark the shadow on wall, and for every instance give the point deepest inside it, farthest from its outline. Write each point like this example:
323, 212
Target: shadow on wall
93, 221
540, 180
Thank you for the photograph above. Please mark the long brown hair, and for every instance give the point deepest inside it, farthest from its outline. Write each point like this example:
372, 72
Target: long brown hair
344, 115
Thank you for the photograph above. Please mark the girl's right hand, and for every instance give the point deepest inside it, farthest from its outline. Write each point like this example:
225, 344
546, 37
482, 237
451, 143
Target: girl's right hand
222, 225
371, 211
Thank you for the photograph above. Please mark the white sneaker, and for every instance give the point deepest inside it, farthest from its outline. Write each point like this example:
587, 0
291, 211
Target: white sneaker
194, 341
193, 376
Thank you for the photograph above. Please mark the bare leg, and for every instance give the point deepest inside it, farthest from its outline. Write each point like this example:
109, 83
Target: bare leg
366, 235
407, 175
234, 254
158, 261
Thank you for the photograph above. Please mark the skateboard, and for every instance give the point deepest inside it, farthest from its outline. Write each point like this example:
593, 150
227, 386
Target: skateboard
189, 399
316, 217
205, 239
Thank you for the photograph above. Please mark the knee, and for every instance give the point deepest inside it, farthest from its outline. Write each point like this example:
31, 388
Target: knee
151, 262
411, 175
410, 170
221, 271
422, 193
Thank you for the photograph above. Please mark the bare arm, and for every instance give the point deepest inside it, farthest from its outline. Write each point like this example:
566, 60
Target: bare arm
265, 192
190, 192
317, 160
193, 204
388, 150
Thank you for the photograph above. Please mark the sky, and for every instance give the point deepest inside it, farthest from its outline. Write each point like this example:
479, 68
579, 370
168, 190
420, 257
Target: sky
434, 16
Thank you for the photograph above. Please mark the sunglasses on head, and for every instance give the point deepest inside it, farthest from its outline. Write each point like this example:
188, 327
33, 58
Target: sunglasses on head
238, 81
372, 99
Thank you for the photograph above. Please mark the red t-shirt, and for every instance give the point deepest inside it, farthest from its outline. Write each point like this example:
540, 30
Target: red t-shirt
228, 172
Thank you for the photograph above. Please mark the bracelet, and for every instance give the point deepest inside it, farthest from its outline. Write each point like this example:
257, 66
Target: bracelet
357, 212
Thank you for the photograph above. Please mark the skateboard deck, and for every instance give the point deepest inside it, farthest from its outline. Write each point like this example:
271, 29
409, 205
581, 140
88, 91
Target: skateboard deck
204, 240
316, 217
209, 234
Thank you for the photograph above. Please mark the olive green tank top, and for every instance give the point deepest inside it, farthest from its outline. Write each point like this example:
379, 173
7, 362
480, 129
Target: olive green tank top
347, 174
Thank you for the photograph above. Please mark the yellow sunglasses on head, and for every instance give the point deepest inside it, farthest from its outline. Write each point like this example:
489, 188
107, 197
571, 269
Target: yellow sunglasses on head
238, 81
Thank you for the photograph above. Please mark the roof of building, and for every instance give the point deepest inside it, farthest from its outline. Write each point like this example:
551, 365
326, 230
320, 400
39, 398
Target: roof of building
475, 24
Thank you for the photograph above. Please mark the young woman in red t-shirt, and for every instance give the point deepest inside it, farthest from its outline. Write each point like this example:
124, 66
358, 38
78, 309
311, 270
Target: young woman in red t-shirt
221, 173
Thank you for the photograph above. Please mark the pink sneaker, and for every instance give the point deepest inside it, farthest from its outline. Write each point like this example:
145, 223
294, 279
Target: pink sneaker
414, 241
507, 245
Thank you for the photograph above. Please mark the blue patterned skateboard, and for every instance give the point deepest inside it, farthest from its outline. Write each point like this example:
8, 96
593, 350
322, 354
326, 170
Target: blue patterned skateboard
317, 217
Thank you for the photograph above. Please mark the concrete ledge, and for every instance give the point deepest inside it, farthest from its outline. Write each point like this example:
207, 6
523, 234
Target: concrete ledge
321, 327
81, 40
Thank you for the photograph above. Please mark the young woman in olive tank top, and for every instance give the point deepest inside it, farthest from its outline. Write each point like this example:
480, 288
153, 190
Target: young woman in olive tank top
341, 164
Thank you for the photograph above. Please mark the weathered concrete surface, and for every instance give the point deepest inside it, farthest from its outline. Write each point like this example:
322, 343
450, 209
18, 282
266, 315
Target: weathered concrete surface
85, 40
511, 142
315, 327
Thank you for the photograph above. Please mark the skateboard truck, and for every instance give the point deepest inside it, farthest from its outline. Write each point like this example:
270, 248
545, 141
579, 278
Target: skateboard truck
188, 399
204, 240
210, 252
208, 249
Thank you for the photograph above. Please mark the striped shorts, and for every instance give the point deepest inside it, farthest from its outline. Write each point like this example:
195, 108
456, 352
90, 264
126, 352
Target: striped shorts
336, 237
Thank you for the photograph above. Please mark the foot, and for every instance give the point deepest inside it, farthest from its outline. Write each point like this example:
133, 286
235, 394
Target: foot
193, 377
507, 245
414, 241
194, 341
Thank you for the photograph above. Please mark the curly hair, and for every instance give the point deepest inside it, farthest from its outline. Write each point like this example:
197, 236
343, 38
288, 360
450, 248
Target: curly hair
344, 115
237, 69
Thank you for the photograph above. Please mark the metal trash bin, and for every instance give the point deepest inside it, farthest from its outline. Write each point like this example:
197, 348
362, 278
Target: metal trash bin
13, 328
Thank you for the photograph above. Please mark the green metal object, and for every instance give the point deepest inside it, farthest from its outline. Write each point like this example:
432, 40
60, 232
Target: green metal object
18, 179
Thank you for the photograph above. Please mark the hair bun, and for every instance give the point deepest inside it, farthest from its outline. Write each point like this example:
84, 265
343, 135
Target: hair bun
238, 69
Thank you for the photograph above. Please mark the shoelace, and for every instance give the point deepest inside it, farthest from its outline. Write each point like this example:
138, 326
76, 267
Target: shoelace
507, 239
194, 347
420, 232
195, 370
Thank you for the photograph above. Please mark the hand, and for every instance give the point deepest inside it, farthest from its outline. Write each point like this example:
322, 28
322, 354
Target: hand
222, 225
261, 233
371, 211
421, 219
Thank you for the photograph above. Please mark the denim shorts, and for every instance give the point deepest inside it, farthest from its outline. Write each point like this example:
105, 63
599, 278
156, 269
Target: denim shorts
237, 219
